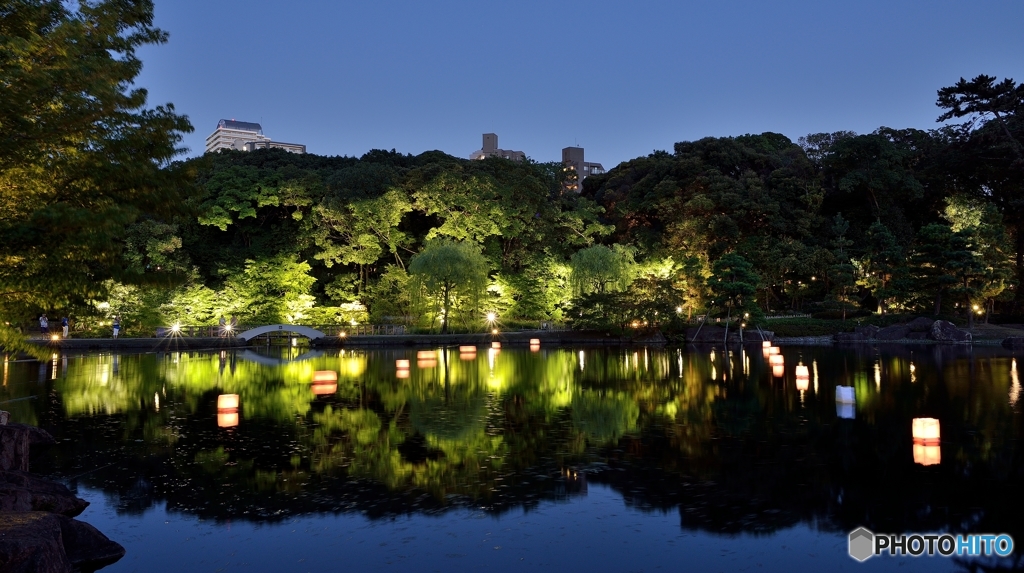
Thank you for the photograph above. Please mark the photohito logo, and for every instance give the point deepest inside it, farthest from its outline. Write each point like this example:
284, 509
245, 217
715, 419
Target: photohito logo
864, 544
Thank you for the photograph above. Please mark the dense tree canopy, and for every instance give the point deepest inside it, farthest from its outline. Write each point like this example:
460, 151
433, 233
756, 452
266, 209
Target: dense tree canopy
81, 158
97, 221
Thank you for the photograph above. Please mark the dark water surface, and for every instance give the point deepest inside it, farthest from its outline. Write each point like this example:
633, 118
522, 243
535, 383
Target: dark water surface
560, 459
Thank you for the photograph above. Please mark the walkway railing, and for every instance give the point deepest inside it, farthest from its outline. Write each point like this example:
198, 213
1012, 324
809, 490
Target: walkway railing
193, 331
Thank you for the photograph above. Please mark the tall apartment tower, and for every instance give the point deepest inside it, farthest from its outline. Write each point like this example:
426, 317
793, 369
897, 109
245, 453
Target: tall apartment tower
572, 158
490, 149
245, 136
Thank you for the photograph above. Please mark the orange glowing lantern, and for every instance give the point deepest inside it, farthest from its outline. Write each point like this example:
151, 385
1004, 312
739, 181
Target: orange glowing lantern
467, 349
926, 431
227, 402
927, 451
325, 382
766, 344
325, 376
803, 377
773, 350
496, 345
534, 348
401, 373
778, 371
534, 342
402, 364
776, 360
227, 410
426, 354
426, 363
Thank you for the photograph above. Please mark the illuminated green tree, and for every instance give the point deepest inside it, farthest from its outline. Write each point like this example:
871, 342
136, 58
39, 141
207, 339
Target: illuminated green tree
450, 271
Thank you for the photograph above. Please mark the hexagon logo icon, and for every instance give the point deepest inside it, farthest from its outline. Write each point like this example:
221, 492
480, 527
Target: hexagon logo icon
862, 543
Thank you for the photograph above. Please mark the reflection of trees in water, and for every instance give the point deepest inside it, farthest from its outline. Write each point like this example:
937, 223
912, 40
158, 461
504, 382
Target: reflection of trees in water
735, 453
604, 417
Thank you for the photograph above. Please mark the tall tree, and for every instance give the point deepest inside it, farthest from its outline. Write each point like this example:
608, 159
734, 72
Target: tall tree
81, 156
993, 140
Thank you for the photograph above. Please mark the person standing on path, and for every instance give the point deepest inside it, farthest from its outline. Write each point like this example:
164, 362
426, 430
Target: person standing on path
64, 325
44, 324
117, 326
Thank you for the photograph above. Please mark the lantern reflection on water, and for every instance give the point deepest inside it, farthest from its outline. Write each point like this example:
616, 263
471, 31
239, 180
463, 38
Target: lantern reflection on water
426, 363
227, 410
325, 382
467, 349
927, 451
401, 374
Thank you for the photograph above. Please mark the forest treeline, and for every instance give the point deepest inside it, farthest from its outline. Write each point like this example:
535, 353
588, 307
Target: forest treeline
898, 220
98, 218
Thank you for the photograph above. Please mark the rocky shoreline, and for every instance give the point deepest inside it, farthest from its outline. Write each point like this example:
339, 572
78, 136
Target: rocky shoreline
38, 532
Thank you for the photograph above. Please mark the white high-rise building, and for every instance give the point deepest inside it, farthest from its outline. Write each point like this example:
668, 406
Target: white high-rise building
245, 136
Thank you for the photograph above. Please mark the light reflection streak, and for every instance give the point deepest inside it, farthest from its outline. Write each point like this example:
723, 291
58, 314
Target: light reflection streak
1014, 383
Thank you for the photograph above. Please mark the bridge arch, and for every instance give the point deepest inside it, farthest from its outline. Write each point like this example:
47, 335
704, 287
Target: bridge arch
306, 331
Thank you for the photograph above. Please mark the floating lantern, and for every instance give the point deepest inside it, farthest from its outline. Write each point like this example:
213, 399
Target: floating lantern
227, 410
496, 345
766, 344
426, 354
325, 382
927, 451
773, 350
778, 371
926, 431
534, 348
325, 376
845, 394
803, 378
534, 342
776, 360
402, 364
467, 349
226, 402
426, 363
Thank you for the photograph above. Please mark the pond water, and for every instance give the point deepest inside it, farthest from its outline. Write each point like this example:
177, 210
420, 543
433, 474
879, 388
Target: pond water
621, 459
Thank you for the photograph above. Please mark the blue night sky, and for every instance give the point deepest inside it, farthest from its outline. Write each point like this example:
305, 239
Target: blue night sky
619, 78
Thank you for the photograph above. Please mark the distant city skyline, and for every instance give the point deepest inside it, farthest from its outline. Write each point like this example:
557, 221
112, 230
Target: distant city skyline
622, 81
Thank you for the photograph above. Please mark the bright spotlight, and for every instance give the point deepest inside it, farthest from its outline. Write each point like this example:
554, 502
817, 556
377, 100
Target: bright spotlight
491, 317
176, 327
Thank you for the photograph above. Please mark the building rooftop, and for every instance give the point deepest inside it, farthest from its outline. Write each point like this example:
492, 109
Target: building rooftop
240, 125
